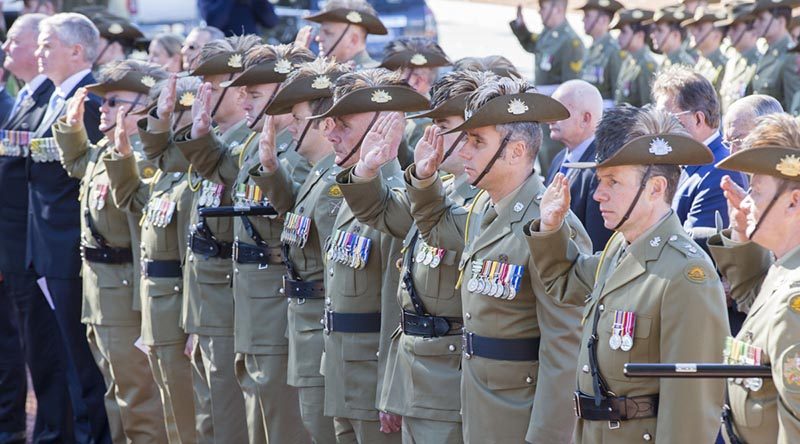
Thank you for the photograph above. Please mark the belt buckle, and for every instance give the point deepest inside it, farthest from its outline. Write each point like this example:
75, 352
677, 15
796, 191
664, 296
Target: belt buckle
327, 322
301, 301
143, 265
576, 398
466, 344
235, 251
613, 425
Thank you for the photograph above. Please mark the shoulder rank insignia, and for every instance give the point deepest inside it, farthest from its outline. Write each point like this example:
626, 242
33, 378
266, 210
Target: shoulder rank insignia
148, 172
334, 191
696, 273
576, 65
794, 304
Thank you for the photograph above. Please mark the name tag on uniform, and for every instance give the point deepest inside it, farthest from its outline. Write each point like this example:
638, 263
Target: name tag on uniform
497, 279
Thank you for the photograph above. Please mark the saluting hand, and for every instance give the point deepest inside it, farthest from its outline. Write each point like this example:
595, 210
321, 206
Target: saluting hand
737, 214
303, 38
380, 145
266, 145
429, 153
201, 112
166, 98
520, 18
121, 142
555, 204
75, 108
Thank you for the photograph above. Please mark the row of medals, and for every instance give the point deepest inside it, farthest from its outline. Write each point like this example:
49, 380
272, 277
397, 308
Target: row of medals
349, 249
504, 284
295, 230
249, 195
44, 150
738, 352
622, 331
100, 192
430, 256
14, 143
159, 211
210, 194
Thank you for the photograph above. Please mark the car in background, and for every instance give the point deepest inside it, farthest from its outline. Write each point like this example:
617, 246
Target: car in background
412, 18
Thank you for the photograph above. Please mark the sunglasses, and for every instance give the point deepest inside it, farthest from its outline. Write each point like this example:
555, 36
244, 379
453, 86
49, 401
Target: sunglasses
113, 102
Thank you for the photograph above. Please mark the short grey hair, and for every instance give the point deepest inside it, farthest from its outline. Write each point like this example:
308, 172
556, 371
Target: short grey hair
757, 105
29, 21
74, 29
690, 91
213, 32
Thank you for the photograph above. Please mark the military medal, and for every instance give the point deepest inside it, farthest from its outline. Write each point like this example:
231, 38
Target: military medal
738, 352
547, 63
101, 190
628, 325
516, 281
615, 341
437, 259
421, 253
472, 284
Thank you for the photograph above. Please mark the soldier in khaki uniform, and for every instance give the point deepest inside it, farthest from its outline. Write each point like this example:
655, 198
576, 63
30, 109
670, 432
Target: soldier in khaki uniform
308, 213
361, 310
423, 373
760, 257
165, 204
706, 39
777, 73
667, 36
744, 54
418, 61
558, 53
652, 292
344, 26
512, 386
109, 247
259, 312
207, 272
604, 58
636, 75
117, 38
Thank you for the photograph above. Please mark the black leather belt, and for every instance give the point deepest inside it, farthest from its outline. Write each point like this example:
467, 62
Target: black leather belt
525, 349
252, 254
351, 322
161, 269
210, 248
430, 326
615, 409
107, 255
303, 289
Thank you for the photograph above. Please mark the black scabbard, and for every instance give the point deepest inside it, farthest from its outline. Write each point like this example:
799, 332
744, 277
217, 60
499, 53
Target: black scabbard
233, 211
694, 370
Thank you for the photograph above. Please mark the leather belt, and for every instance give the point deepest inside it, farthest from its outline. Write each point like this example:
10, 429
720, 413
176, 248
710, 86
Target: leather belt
615, 409
107, 255
210, 248
351, 322
161, 269
525, 349
252, 254
430, 326
303, 290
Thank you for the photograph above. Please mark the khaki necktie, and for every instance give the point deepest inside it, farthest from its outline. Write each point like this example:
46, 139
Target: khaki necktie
488, 217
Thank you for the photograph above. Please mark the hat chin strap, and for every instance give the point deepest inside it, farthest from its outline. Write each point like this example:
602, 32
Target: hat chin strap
180, 116
221, 96
705, 36
302, 136
336, 43
769, 25
778, 192
266, 105
454, 145
102, 51
493, 160
642, 186
358, 145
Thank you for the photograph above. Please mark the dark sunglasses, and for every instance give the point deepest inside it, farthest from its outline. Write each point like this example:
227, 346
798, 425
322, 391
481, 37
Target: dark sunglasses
113, 102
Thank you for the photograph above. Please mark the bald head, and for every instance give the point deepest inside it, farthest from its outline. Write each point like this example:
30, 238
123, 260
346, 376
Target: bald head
740, 119
585, 105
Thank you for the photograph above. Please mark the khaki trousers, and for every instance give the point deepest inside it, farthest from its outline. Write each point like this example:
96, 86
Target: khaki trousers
424, 431
352, 431
132, 402
312, 402
171, 370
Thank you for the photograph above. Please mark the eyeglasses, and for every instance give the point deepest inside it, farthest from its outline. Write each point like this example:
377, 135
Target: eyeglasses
732, 143
113, 101
676, 115
191, 47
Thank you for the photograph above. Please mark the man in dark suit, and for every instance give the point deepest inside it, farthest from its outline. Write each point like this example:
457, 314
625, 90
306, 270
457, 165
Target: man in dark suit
6, 101
67, 46
585, 105
691, 98
24, 312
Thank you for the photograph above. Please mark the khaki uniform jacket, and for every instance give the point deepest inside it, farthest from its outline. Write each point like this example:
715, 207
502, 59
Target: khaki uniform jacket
362, 60
558, 52
110, 291
423, 375
636, 78
777, 75
713, 68
671, 286
507, 401
602, 65
259, 311
678, 57
354, 363
771, 293
208, 307
318, 198
739, 71
415, 129
162, 298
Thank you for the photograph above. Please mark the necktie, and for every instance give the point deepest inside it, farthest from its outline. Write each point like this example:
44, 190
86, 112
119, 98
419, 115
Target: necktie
20, 98
488, 217
52, 106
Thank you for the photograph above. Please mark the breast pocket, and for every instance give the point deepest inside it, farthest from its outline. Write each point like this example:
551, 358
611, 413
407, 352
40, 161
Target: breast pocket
612, 362
440, 282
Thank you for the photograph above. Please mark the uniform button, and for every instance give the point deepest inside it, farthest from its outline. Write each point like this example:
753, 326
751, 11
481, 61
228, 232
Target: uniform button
647, 437
191, 258
601, 307
377, 354
451, 347
327, 301
236, 238
585, 368
529, 380
227, 276
125, 282
330, 271
176, 288
281, 291
467, 316
235, 271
